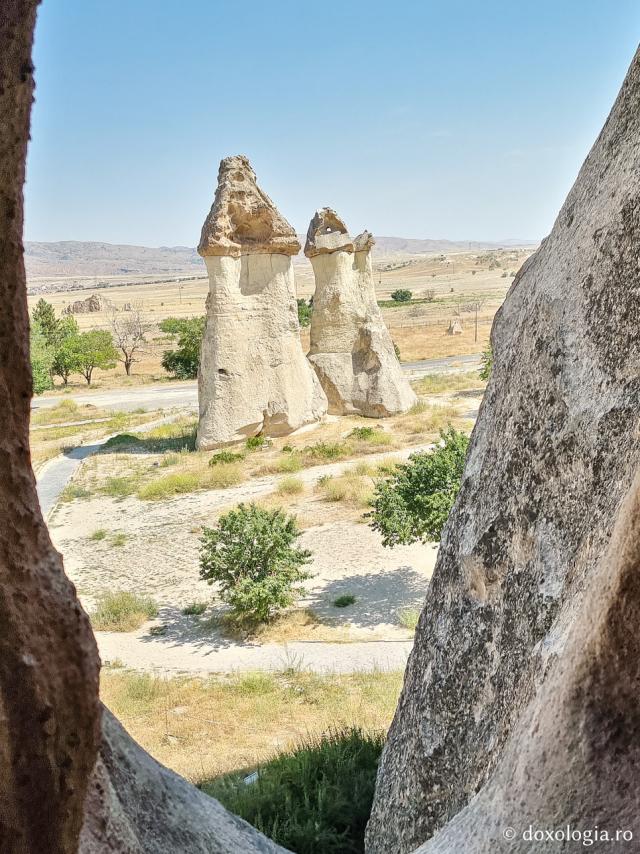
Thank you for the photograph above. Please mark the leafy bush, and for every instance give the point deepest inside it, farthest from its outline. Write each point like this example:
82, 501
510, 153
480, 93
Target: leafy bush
414, 502
364, 434
90, 350
487, 362
184, 361
305, 310
251, 553
327, 450
41, 360
225, 457
315, 799
122, 612
256, 443
402, 295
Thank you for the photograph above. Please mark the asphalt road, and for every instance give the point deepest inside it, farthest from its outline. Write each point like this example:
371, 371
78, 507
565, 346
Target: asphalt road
166, 395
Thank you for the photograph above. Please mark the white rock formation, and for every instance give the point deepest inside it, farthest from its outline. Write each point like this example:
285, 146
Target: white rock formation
253, 377
351, 349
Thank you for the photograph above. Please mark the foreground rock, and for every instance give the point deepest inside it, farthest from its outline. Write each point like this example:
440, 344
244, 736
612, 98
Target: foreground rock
254, 377
351, 349
523, 682
136, 805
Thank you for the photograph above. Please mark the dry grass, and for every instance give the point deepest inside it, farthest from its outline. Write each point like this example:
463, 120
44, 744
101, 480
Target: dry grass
350, 488
202, 728
300, 624
290, 486
439, 383
122, 612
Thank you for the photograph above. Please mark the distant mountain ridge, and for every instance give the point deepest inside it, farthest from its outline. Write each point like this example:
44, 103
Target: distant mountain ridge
76, 258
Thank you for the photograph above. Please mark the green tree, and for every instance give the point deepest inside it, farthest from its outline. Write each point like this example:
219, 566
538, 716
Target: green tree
41, 359
184, 361
487, 362
251, 554
414, 502
402, 295
94, 349
305, 310
44, 315
65, 349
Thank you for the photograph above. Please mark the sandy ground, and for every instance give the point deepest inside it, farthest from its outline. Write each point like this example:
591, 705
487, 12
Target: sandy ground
160, 558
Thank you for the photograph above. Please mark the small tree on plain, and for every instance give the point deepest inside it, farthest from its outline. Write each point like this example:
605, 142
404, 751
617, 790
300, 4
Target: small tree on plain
44, 315
94, 349
128, 329
402, 295
251, 553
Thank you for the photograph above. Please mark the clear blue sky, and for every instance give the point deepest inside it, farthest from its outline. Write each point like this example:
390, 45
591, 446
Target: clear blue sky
463, 120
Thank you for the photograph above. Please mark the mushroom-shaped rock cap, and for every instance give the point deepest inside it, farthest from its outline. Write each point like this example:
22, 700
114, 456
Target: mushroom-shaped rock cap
243, 219
327, 233
363, 242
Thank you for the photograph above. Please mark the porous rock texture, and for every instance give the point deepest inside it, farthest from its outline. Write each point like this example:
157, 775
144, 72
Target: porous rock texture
254, 377
49, 713
351, 349
523, 682
50, 781
136, 805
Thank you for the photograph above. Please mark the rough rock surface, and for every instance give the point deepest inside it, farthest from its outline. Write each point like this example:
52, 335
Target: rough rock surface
254, 377
49, 712
573, 758
136, 805
243, 218
84, 306
351, 349
516, 587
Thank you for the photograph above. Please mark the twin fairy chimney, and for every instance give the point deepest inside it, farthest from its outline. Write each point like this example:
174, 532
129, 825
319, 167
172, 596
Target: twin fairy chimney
351, 349
254, 377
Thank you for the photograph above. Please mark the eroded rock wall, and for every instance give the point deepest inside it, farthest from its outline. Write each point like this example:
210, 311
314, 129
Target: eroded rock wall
351, 348
554, 451
254, 377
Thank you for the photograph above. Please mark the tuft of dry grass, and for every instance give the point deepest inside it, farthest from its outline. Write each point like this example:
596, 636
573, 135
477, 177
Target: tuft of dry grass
203, 728
290, 486
350, 487
122, 612
438, 383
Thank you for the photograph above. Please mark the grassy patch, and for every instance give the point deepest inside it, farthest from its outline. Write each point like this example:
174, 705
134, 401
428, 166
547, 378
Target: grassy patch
327, 451
122, 612
257, 443
313, 799
122, 440
98, 535
225, 457
290, 486
73, 491
344, 601
118, 540
220, 476
437, 383
350, 487
409, 618
194, 609
226, 724
289, 463
120, 487
176, 436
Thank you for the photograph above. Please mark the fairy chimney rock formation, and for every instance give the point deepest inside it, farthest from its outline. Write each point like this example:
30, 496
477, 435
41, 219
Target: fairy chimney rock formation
254, 377
351, 349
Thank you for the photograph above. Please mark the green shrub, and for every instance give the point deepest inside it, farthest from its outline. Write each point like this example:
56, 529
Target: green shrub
305, 310
251, 553
98, 535
364, 434
315, 799
256, 443
487, 362
415, 501
118, 539
344, 601
225, 457
327, 450
402, 295
122, 439
183, 362
122, 612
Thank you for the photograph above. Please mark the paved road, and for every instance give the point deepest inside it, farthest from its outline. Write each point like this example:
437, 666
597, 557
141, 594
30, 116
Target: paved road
165, 395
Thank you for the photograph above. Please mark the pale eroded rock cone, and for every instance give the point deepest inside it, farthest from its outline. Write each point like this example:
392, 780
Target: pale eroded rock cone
254, 377
351, 349
523, 682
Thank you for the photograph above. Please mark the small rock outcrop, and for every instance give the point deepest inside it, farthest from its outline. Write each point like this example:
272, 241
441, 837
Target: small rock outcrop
254, 377
351, 349
84, 306
522, 686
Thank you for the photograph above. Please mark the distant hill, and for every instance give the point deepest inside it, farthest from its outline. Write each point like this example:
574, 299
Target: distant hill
75, 258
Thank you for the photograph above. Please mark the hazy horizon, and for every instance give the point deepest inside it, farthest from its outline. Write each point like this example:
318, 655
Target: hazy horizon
422, 120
